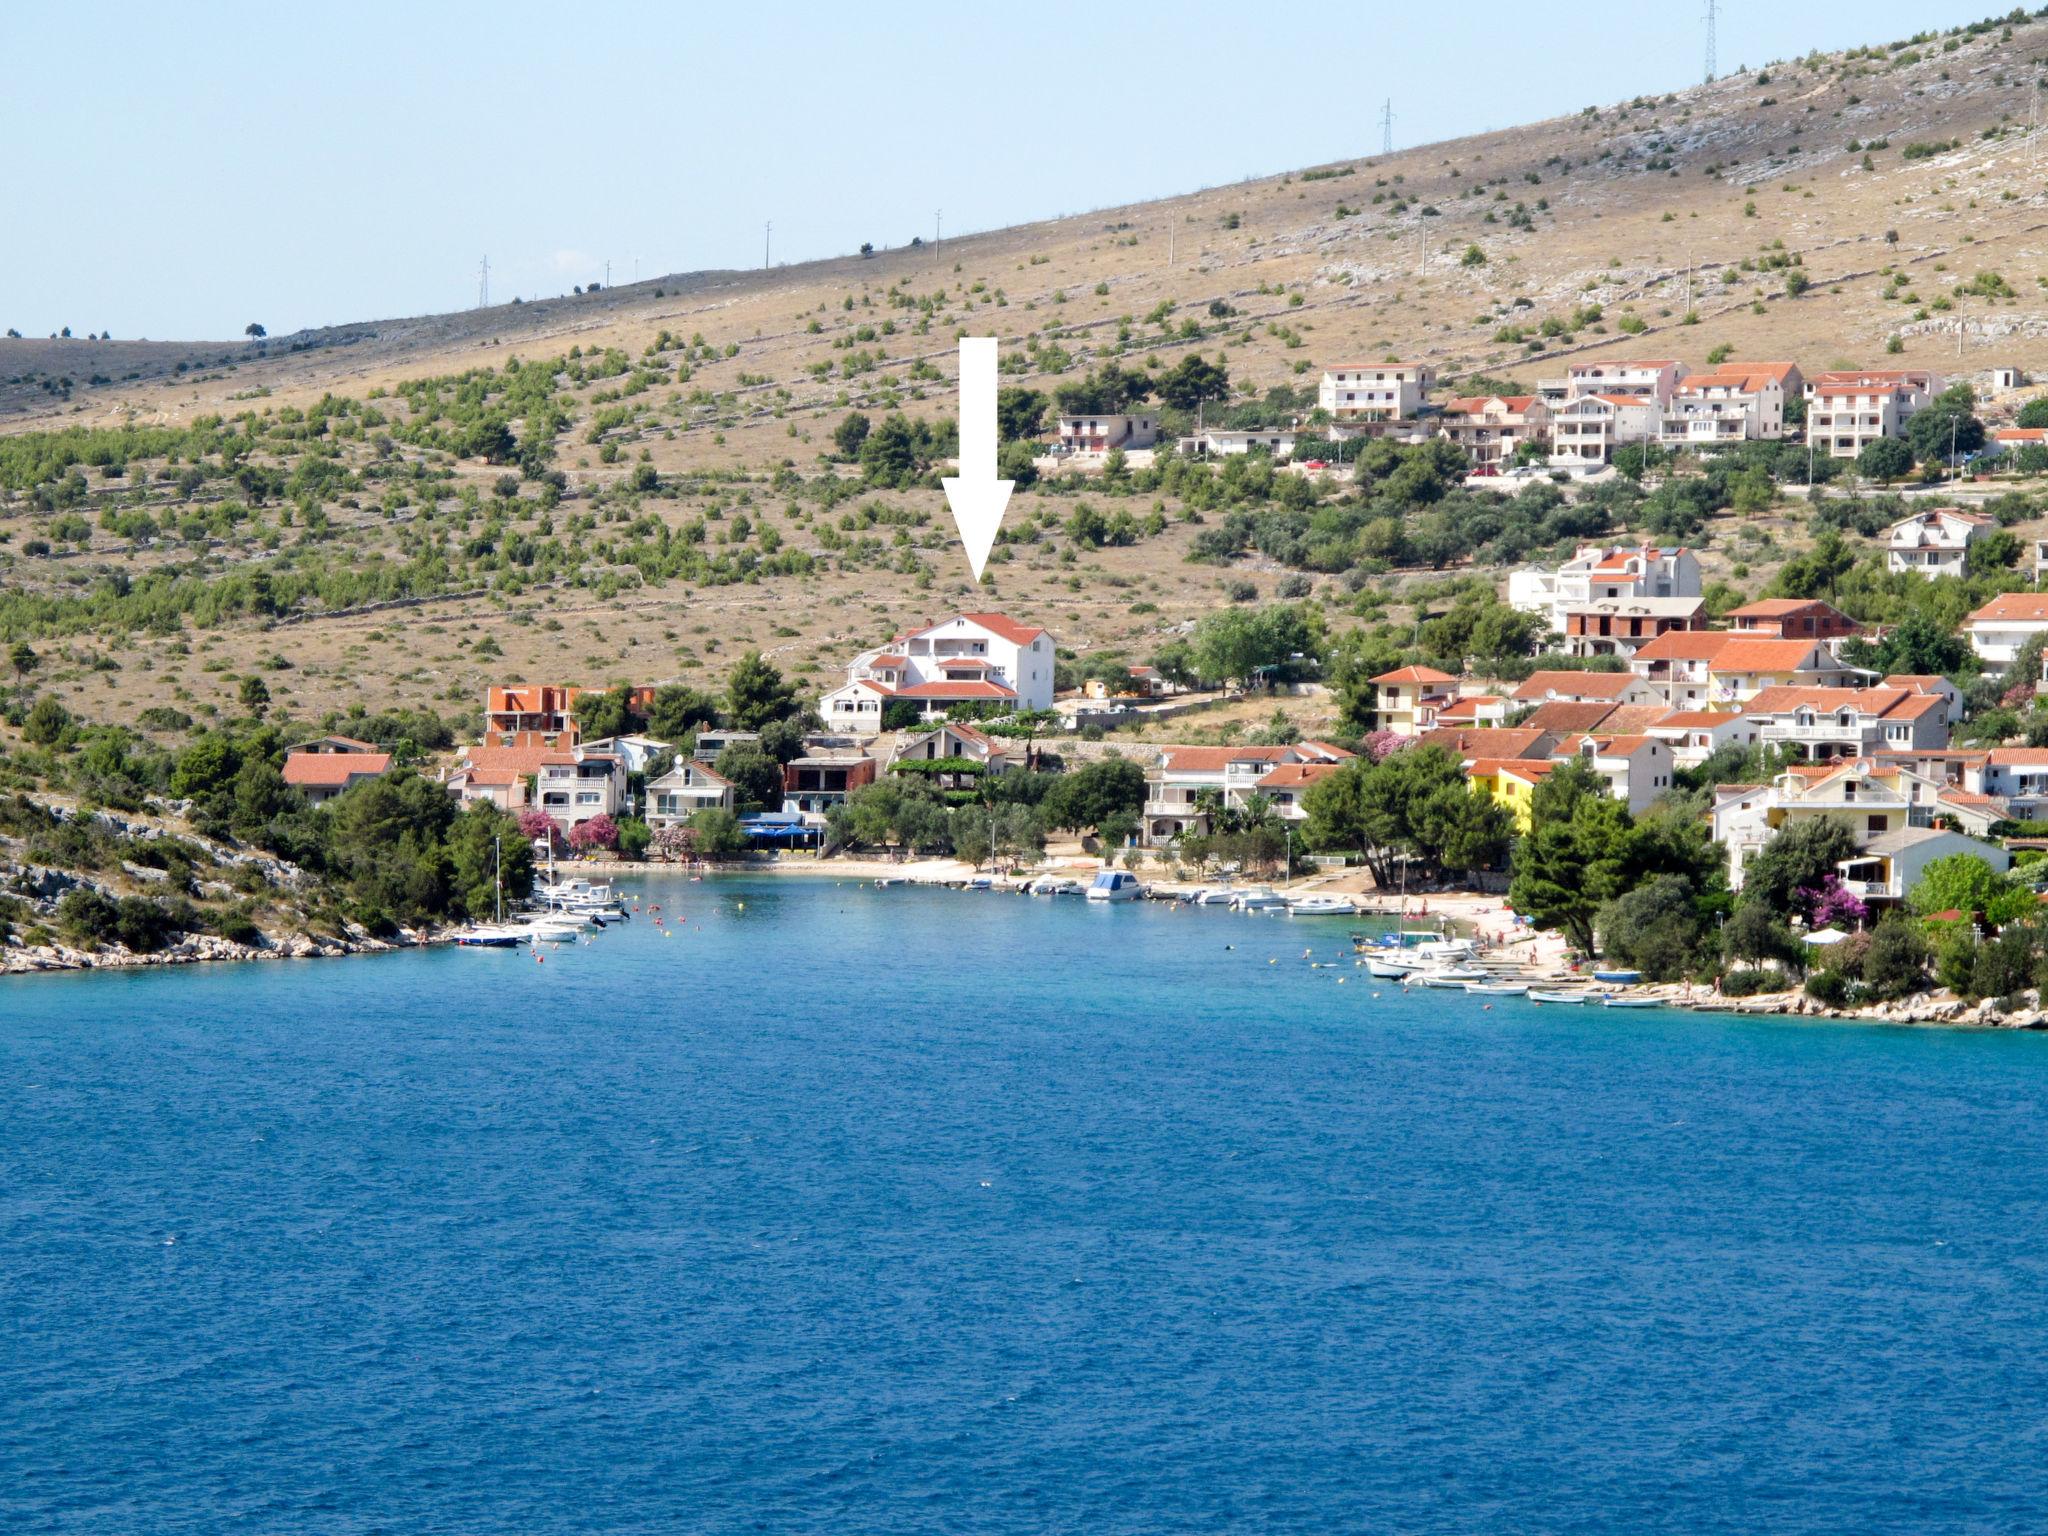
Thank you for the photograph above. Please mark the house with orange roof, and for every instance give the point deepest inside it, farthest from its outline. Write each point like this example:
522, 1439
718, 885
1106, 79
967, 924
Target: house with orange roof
1490, 428
1474, 709
541, 710
1468, 746
1353, 393
1407, 700
2004, 625
2016, 775
1510, 783
972, 658
1847, 410
1934, 683
1874, 799
572, 784
1609, 688
320, 775
1935, 542
1733, 403
1184, 785
1792, 618
1821, 724
1703, 669
972, 752
1570, 717
1694, 735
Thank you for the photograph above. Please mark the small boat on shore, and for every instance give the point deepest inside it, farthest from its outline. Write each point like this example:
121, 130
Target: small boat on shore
1619, 978
1611, 1001
1498, 988
1055, 885
1320, 906
1569, 998
1456, 979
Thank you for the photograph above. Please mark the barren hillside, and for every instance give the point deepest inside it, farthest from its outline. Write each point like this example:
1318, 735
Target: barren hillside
699, 408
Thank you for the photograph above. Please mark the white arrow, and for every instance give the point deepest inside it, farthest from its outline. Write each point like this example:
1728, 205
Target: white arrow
976, 496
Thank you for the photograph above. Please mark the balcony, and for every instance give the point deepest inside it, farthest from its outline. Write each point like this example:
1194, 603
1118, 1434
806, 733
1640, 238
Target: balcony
1855, 735
1170, 808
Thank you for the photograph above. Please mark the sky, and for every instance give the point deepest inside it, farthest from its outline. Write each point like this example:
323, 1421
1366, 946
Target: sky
179, 172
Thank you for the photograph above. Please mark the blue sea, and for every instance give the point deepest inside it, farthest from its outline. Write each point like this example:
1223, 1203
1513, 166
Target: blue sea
822, 1208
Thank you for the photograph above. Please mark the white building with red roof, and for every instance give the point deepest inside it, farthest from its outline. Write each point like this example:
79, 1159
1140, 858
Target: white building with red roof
1633, 378
1821, 724
1588, 428
1598, 574
1183, 784
1736, 402
2002, 626
971, 658
1849, 409
1407, 700
1491, 427
1361, 392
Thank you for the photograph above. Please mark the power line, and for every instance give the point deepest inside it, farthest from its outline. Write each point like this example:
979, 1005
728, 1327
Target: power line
1387, 127
1713, 10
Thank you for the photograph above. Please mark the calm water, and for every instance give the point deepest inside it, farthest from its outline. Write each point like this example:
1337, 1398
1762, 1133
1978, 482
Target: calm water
895, 1211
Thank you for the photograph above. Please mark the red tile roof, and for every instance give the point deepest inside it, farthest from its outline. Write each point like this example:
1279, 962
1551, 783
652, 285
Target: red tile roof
1685, 645
961, 689
1498, 741
1216, 759
1568, 715
1745, 655
1529, 768
1695, 720
1415, 675
1581, 685
333, 770
2010, 607
1002, 624
1296, 775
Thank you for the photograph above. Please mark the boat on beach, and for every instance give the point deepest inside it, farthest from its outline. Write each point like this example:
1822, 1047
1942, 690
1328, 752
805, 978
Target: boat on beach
1055, 885
1612, 1001
1497, 988
1456, 978
1619, 978
1257, 898
1320, 906
1572, 999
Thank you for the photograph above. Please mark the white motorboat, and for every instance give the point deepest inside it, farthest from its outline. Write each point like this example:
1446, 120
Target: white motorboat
1572, 999
1115, 885
1215, 895
1631, 1002
1498, 988
1453, 979
1257, 898
1320, 906
487, 936
1442, 951
1391, 968
553, 930
1055, 885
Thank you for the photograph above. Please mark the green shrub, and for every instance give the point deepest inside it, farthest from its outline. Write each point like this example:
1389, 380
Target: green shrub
1748, 983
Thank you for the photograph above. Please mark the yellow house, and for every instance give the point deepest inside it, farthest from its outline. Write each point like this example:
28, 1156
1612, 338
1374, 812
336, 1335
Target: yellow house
1510, 783
1408, 698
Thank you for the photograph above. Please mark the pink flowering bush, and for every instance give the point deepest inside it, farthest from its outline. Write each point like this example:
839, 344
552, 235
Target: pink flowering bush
1833, 906
535, 825
594, 834
1379, 745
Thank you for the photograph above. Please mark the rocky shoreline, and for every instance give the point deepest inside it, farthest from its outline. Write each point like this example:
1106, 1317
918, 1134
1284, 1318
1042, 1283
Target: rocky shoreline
198, 949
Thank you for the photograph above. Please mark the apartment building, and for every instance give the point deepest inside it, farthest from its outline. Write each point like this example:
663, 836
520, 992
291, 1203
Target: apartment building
1409, 699
1621, 626
1184, 783
1823, 724
1600, 574
1792, 618
971, 658
1732, 404
1847, 410
1490, 428
1589, 428
1369, 392
1653, 379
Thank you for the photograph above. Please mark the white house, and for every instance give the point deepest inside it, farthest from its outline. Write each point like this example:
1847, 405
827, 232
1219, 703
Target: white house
1353, 392
1180, 779
686, 789
1652, 379
1589, 428
971, 658
1825, 723
2002, 626
1610, 688
1935, 542
1888, 866
2016, 775
1223, 442
1099, 431
1847, 410
322, 769
1694, 735
636, 752
1491, 427
1599, 574
1732, 404
1637, 769
576, 785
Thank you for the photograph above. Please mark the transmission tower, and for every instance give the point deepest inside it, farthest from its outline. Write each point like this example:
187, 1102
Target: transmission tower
483, 284
1387, 127
1713, 8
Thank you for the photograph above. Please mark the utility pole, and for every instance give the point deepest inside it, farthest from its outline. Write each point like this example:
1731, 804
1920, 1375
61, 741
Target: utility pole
607, 275
1713, 9
483, 284
1169, 250
938, 215
1387, 127
1688, 282
767, 230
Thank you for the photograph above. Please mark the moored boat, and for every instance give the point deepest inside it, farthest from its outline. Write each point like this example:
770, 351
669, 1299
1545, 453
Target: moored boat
1320, 906
1619, 978
1570, 998
1257, 898
1498, 988
1612, 1001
